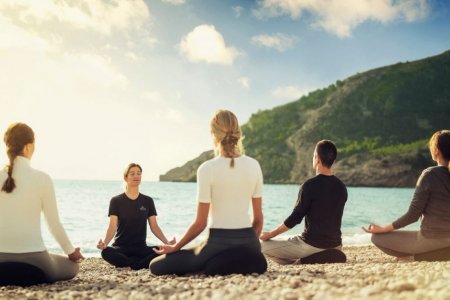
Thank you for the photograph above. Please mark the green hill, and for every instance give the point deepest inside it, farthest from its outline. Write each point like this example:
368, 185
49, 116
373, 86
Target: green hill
380, 121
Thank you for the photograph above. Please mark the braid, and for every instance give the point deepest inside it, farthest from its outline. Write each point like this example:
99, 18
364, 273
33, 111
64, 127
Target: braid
229, 144
227, 135
9, 185
16, 137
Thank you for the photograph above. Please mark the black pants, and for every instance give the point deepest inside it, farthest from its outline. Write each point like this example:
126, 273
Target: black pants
195, 259
134, 257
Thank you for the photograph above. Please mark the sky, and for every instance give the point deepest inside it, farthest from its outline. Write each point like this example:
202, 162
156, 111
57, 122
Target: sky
107, 82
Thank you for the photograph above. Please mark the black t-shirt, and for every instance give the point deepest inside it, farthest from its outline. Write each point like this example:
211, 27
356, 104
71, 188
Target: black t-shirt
133, 216
321, 201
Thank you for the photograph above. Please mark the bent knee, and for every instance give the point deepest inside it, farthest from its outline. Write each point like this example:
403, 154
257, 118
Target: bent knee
377, 238
75, 269
156, 266
106, 253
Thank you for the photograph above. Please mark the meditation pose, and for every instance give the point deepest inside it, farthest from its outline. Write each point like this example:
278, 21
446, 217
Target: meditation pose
321, 201
25, 194
431, 203
128, 214
226, 186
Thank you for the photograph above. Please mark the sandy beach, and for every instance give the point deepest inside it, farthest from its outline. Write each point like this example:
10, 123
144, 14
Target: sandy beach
368, 274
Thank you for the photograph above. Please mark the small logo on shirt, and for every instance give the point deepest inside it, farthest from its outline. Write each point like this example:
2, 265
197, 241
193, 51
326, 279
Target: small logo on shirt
142, 208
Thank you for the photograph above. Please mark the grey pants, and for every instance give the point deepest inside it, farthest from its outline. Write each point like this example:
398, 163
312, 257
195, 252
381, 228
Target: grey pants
288, 250
195, 259
56, 267
402, 243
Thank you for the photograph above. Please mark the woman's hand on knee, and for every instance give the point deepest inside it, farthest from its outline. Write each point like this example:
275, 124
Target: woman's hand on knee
265, 235
76, 255
374, 228
165, 249
101, 245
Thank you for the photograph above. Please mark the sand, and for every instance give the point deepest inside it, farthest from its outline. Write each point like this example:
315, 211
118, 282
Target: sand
368, 274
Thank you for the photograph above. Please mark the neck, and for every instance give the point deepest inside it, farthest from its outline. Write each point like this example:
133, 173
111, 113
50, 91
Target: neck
132, 192
442, 162
321, 170
223, 154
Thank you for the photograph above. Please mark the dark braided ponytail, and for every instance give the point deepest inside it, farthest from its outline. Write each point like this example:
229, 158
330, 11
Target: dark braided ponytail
16, 137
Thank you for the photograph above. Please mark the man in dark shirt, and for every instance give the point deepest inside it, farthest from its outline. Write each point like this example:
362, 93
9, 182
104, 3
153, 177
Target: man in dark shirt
321, 201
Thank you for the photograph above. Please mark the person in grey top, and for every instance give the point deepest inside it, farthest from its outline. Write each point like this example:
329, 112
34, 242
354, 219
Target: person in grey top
431, 203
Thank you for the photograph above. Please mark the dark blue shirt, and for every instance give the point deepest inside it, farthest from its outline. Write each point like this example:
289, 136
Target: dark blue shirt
321, 201
133, 216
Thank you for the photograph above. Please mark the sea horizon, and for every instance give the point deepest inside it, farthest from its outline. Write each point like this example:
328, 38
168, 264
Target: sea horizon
83, 207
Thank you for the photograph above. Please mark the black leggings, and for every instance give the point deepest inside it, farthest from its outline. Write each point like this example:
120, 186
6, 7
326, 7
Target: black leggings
133, 257
195, 259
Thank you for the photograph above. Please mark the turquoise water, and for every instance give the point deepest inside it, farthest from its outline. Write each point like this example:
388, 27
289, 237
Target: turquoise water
83, 207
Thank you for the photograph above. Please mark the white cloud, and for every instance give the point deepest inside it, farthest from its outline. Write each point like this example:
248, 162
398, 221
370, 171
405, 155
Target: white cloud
340, 17
97, 15
162, 108
206, 44
92, 69
289, 92
131, 55
237, 11
15, 38
244, 82
277, 41
175, 2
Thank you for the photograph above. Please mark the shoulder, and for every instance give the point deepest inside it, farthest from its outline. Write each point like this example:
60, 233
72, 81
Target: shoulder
42, 176
429, 173
339, 182
250, 160
432, 173
308, 184
206, 166
118, 198
434, 170
430, 170
146, 198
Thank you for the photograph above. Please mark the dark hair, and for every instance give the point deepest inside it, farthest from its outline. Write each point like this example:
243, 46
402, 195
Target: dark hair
128, 168
16, 137
441, 141
327, 152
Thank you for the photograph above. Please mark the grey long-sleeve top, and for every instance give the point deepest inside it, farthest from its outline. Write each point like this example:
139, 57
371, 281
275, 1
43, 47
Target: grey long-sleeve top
432, 201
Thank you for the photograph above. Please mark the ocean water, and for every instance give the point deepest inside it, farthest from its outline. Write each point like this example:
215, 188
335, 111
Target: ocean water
83, 208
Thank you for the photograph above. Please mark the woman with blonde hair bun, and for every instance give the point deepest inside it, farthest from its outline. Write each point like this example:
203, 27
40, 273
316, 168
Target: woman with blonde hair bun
226, 185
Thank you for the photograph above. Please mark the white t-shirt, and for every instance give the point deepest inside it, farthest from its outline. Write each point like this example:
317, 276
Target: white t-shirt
229, 190
20, 211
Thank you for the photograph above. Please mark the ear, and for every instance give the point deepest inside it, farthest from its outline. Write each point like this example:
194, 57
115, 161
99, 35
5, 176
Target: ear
436, 153
318, 161
27, 150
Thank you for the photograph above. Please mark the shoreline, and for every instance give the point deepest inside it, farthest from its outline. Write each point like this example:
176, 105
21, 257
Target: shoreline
368, 274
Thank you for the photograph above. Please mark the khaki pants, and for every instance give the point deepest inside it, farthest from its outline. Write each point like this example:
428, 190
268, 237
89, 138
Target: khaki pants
56, 267
402, 243
288, 250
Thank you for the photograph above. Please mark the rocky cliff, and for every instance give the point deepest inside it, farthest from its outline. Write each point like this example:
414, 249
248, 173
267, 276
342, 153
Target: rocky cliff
380, 121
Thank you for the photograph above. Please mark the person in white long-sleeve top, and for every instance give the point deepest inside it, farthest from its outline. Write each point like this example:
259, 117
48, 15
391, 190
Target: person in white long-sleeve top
25, 194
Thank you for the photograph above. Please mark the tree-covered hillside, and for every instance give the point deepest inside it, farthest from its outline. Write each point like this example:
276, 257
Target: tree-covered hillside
380, 120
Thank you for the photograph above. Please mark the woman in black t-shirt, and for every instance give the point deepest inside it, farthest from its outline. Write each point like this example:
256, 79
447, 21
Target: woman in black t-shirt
128, 214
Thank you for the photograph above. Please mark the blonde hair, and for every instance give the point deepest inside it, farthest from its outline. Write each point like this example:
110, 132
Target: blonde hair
227, 135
